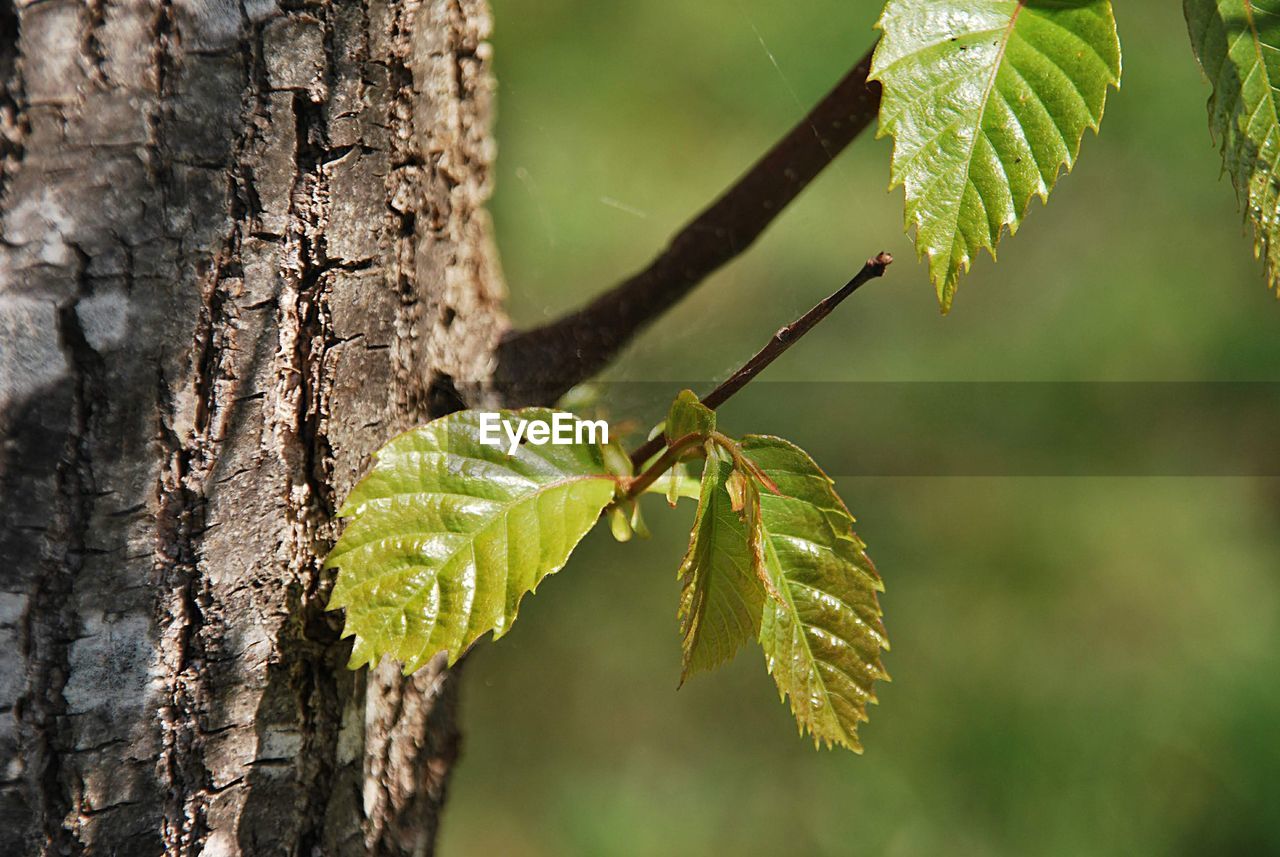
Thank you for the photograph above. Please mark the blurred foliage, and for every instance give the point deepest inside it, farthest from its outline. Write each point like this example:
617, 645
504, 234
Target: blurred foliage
1081, 666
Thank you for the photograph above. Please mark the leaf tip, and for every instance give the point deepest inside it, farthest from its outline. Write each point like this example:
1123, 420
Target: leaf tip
946, 294
361, 654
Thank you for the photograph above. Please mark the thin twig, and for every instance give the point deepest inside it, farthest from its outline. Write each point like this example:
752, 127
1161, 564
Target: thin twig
775, 347
539, 365
670, 456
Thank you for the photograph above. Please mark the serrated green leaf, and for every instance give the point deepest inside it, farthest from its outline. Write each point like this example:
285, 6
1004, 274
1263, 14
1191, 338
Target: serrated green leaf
721, 597
688, 416
821, 633
1237, 43
446, 535
987, 100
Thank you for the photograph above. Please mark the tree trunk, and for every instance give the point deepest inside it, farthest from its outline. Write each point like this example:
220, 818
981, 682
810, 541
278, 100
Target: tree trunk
243, 244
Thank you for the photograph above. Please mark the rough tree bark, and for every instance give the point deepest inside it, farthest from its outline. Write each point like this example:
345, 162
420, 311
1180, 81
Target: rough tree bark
243, 243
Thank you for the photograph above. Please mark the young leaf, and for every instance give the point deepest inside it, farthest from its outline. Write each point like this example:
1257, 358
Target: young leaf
446, 535
636, 521
687, 416
616, 460
986, 101
822, 633
620, 524
676, 483
720, 595
1237, 43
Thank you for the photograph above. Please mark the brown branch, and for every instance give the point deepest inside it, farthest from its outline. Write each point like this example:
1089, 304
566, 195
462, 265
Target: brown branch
775, 347
670, 456
539, 365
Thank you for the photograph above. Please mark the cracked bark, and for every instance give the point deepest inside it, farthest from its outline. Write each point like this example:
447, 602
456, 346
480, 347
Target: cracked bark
242, 244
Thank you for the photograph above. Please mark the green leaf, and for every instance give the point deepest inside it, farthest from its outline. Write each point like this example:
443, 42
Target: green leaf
616, 460
673, 486
620, 524
446, 535
676, 482
1238, 45
721, 597
582, 399
689, 416
636, 521
822, 633
986, 101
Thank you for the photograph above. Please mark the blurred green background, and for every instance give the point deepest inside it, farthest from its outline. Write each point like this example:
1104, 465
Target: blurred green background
1082, 666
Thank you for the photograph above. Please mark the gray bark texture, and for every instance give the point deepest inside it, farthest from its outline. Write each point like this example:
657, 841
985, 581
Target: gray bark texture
241, 245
